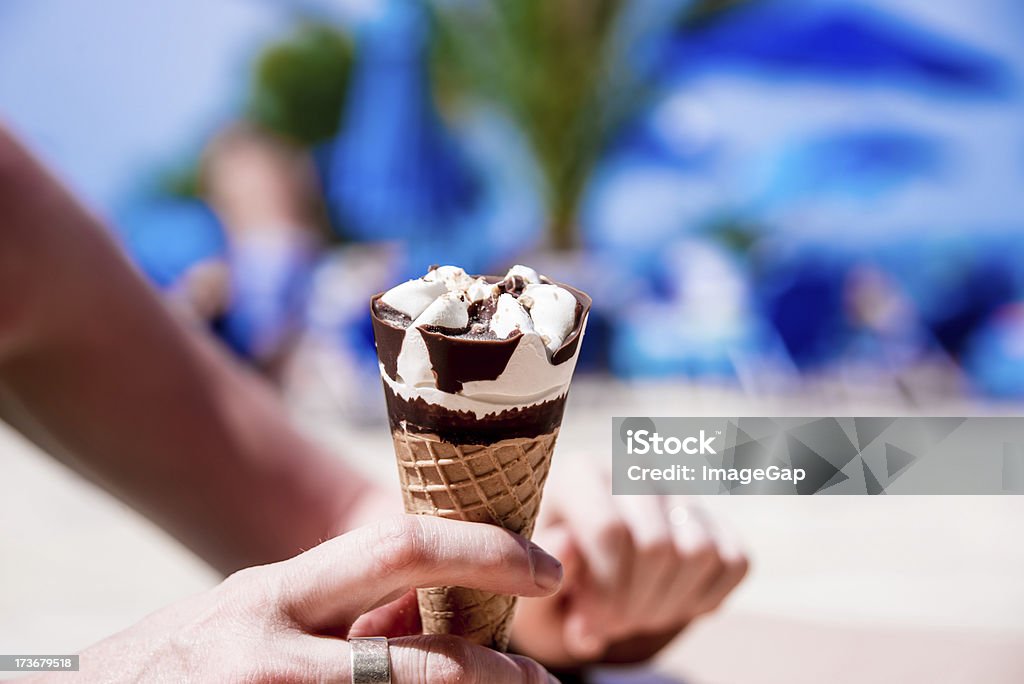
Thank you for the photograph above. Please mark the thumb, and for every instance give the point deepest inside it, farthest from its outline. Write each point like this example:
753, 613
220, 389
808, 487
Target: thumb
349, 575
427, 659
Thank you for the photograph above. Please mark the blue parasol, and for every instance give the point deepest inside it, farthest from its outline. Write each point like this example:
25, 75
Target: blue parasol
395, 172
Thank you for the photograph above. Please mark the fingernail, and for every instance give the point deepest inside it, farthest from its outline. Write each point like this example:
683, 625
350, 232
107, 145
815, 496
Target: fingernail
582, 641
547, 571
678, 516
590, 646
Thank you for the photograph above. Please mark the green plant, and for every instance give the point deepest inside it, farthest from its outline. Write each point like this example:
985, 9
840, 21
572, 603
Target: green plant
300, 83
550, 65
558, 68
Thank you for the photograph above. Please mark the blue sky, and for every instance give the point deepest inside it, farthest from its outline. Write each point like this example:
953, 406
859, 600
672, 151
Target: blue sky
107, 89
103, 88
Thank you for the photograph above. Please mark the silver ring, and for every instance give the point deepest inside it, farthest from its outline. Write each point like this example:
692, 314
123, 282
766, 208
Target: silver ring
371, 662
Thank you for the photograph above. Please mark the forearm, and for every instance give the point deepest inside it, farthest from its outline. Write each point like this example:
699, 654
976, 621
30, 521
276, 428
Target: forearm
90, 358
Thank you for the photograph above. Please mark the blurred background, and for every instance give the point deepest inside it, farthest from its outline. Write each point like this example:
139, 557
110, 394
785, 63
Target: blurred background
780, 207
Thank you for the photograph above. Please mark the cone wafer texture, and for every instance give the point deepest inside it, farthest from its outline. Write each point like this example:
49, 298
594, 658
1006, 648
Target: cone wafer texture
500, 484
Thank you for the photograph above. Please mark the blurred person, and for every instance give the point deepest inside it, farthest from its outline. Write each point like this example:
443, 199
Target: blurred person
264, 192
239, 256
95, 370
887, 330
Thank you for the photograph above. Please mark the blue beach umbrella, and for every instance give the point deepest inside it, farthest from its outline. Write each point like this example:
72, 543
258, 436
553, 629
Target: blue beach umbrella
801, 293
864, 164
833, 41
395, 173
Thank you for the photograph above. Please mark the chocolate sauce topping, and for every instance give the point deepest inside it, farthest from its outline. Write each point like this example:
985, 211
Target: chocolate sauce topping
389, 339
463, 427
457, 360
465, 356
513, 285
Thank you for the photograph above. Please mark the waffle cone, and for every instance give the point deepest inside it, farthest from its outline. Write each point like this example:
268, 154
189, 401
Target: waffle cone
497, 483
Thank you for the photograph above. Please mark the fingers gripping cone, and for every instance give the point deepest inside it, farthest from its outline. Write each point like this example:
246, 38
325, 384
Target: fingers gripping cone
499, 484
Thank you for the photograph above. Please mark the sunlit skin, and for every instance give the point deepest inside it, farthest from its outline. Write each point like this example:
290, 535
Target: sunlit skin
289, 621
96, 370
639, 569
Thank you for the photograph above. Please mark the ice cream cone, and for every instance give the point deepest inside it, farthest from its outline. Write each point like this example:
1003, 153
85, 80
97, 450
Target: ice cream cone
476, 372
499, 484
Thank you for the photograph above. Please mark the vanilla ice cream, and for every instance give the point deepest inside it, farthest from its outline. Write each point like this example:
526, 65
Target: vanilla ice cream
479, 345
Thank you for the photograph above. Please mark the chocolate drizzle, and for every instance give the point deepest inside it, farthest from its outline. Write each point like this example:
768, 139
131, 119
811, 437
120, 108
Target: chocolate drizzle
468, 356
464, 427
388, 337
457, 360
482, 312
513, 285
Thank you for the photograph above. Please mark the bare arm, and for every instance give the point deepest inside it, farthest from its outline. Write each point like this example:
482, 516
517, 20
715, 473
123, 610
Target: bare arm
94, 368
